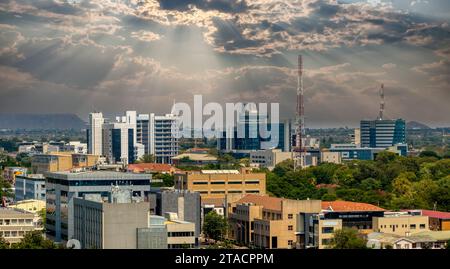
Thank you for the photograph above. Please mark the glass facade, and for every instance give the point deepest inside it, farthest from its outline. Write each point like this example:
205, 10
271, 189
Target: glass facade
382, 133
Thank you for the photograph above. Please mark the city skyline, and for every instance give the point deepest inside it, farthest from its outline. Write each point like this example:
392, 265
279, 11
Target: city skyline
111, 56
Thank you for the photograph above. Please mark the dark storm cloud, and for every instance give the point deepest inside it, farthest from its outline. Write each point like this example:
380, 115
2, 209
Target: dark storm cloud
229, 6
115, 55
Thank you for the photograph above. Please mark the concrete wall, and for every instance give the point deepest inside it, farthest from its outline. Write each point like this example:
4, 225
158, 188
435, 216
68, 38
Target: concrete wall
121, 221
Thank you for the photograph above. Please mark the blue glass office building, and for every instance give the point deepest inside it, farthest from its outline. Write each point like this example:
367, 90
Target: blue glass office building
382, 133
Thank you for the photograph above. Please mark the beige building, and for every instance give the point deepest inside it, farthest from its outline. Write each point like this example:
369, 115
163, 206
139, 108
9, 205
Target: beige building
401, 224
268, 158
330, 157
220, 183
61, 161
180, 234
268, 222
32, 206
15, 223
324, 231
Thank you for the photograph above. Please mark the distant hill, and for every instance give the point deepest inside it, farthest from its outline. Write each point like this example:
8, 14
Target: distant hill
416, 125
41, 121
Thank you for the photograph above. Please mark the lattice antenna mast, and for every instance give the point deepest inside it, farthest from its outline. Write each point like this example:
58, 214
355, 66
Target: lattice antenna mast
382, 103
300, 116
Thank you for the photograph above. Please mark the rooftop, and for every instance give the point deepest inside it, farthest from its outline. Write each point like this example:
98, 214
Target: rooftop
270, 203
106, 175
345, 206
213, 201
195, 157
151, 167
220, 172
436, 214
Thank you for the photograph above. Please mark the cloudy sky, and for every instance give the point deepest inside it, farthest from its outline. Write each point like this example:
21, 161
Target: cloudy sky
59, 56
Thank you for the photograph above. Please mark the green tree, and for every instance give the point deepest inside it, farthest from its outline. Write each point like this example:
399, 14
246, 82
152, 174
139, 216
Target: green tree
3, 243
147, 158
347, 239
5, 188
35, 240
215, 226
429, 153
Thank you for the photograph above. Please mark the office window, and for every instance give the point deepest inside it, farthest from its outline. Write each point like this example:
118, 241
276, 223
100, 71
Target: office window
290, 242
422, 226
290, 227
290, 216
414, 245
327, 230
412, 226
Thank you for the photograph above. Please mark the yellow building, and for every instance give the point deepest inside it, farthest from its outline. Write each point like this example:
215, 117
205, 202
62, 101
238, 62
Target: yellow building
401, 224
268, 222
15, 223
220, 183
32, 206
61, 161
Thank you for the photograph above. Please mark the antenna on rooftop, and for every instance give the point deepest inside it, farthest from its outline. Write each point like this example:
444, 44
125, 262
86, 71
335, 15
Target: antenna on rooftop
382, 103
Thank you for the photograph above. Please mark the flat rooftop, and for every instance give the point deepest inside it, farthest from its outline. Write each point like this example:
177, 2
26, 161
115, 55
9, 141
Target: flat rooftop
105, 175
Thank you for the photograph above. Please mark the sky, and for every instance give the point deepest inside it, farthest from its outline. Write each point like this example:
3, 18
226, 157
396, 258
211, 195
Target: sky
79, 56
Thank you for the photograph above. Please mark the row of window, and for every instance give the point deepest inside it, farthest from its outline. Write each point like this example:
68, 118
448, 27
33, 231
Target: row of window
7, 222
180, 234
223, 182
411, 226
10, 234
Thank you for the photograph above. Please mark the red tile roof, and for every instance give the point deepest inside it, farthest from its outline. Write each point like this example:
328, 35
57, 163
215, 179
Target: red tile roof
345, 206
151, 167
270, 203
436, 214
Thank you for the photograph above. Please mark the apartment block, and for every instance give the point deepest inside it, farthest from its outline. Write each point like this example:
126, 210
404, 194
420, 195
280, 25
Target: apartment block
15, 223
268, 222
219, 183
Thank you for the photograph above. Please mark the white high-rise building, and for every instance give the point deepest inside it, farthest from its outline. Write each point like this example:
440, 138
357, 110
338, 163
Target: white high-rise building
163, 137
94, 133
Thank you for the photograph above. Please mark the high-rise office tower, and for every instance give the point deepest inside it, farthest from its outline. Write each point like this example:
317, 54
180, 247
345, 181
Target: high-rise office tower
119, 139
94, 133
382, 133
142, 131
163, 137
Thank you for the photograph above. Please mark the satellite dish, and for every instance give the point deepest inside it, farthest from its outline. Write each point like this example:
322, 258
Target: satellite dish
73, 244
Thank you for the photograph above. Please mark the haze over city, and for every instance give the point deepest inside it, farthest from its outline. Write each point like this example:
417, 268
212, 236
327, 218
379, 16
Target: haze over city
79, 56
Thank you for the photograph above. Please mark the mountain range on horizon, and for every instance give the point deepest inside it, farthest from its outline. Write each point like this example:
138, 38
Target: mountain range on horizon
64, 121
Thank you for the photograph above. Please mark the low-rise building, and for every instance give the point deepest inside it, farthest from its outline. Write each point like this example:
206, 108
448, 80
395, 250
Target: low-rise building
353, 215
438, 221
219, 183
10, 173
269, 158
35, 207
330, 157
184, 203
61, 161
31, 186
268, 222
422, 240
15, 223
400, 223
152, 168
314, 231
167, 233
197, 159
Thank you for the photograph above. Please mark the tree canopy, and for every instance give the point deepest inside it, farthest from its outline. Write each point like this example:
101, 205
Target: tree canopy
215, 226
390, 181
347, 238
